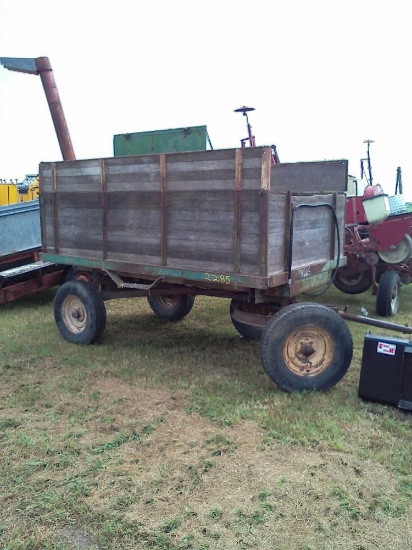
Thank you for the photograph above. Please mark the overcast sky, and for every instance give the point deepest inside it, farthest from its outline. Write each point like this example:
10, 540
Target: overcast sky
323, 76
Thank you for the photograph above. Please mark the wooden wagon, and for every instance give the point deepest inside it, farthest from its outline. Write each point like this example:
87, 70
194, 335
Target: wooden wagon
225, 223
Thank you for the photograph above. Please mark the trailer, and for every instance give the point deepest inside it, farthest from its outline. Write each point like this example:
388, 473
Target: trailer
21, 270
226, 223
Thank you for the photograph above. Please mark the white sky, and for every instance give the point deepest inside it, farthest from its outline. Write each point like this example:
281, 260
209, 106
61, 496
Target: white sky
323, 75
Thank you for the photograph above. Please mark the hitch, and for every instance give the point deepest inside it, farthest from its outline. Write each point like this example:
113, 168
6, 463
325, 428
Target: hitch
405, 329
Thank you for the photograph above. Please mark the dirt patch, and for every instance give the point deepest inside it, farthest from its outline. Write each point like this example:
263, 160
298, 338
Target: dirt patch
135, 454
224, 483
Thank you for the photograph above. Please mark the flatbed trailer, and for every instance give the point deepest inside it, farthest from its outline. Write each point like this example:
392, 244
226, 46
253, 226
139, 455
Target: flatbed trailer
21, 270
224, 223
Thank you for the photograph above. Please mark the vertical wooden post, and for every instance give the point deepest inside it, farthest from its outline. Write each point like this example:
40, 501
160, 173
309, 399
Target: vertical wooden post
104, 206
264, 211
238, 208
55, 208
288, 236
163, 184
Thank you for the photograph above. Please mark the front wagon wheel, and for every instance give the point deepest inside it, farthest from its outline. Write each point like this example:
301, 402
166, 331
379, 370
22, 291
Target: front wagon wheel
306, 347
79, 312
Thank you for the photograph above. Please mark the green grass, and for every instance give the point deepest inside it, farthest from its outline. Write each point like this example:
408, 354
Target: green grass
171, 436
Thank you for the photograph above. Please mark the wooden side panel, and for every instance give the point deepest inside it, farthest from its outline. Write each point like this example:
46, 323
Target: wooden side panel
277, 233
311, 228
310, 177
199, 211
46, 208
134, 209
202, 212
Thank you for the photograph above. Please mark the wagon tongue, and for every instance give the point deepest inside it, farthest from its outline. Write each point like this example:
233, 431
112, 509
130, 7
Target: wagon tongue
405, 329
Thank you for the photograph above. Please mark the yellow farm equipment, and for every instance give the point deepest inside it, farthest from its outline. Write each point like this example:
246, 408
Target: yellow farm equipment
14, 192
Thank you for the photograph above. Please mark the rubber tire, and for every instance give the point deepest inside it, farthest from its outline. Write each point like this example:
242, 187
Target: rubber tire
360, 284
73, 274
249, 332
93, 306
171, 312
388, 296
283, 325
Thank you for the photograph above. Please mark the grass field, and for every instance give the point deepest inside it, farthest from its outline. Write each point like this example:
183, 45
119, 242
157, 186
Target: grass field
171, 436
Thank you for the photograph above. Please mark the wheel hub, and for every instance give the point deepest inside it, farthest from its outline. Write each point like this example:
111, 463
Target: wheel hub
74, 314
308, 351
306, 348
169, 301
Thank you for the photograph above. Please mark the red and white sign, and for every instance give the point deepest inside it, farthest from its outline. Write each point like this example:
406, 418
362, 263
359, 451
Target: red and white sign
387, 349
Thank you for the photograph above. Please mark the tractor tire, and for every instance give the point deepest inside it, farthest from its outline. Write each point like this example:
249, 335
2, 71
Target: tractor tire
306, 347
388, 296
173, 307
79, 312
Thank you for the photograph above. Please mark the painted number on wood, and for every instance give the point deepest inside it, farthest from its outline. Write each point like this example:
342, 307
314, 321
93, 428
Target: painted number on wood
221, 279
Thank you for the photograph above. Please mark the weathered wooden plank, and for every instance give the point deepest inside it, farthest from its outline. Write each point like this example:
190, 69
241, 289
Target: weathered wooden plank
46, 179
132, 164
134, 259
197, 216
150, 246
134, 200
210, 264
133, 220
221, 226
138, 173
128, 183
190, 252
76, 241
78, 176
201, 200
198, 185
92, 254
176, 168
215, 155
197, 174
310, 177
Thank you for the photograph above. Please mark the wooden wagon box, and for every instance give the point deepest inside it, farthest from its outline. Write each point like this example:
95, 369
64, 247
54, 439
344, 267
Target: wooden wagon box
222, 217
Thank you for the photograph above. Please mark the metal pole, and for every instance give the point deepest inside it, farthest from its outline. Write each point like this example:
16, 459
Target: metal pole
42, 67
56, 110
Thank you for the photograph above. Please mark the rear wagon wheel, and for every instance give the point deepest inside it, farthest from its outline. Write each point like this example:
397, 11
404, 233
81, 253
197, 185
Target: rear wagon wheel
306, 347
355, 283
172, 307
247, 330
79, 312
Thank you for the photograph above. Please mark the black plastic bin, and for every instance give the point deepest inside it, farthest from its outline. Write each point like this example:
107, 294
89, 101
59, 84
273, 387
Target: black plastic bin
386, 372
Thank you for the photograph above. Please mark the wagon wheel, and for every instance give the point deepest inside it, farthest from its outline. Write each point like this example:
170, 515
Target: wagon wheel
388, 296
306, 347
79, 312
354, 283
172, 307
73, 274
248, 331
